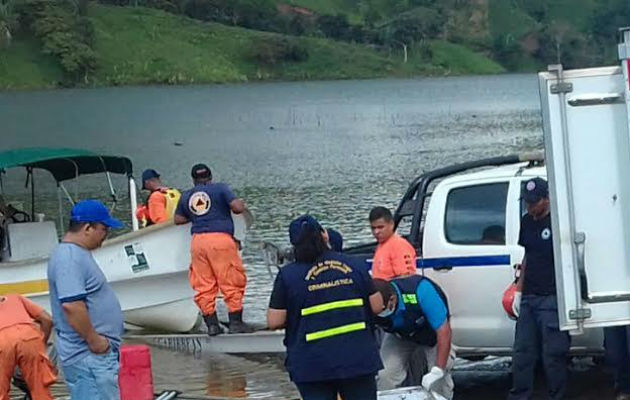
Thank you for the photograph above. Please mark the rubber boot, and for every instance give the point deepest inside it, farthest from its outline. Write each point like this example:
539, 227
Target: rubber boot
212, 322
236, 323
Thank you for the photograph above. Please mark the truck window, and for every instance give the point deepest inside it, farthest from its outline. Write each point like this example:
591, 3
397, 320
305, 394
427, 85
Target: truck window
475, 215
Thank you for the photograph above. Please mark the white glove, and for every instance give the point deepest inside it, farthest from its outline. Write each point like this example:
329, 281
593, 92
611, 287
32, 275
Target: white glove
516, 304
429, 380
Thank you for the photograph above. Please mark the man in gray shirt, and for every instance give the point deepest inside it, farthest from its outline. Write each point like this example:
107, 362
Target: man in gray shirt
87, 316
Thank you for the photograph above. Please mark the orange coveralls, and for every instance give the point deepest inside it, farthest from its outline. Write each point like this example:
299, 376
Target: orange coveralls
216, 265
22, 344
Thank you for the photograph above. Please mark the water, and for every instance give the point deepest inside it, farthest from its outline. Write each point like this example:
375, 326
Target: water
334, 149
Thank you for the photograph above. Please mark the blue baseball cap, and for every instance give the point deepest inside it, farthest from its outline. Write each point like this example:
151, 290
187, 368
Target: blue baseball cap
335, 239
534, 190
300, 226
149, 174
91, 211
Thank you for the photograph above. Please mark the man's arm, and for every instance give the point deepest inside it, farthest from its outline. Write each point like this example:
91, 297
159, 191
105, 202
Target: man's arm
521, 277
237, 206
180, 219
436, 313
276, 319
157, 208
77, 315
180, 212
45, 323
376, 302
277, 311
444, 336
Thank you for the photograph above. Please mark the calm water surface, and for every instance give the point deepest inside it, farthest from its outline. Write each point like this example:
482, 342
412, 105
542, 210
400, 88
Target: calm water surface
334, 149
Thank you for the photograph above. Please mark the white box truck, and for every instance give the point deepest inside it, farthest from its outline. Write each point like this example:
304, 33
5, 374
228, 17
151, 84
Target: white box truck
587, 149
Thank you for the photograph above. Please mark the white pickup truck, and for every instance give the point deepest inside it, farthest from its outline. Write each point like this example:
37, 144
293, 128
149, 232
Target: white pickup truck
464, 222
464, 219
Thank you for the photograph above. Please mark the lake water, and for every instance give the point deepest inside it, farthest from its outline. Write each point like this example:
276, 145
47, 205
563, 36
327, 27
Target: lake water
333, 149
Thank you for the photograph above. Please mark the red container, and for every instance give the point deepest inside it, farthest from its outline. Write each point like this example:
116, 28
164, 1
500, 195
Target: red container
135, 378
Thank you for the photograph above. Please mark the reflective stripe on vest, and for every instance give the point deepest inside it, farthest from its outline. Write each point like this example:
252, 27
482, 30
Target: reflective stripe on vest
339, 330
410, 299
332, 306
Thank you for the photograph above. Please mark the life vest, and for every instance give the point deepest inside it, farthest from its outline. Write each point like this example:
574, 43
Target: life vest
172, 198
329, 333
409, 321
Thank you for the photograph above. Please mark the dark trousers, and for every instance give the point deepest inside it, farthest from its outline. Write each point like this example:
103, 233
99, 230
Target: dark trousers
538, 336
617, 344
359, 388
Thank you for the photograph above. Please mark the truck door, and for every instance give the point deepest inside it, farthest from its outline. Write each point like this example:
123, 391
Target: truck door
587, 148
469, 245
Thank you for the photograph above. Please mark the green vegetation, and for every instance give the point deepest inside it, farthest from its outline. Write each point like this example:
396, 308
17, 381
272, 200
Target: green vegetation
24, 66
146, 46
53, 43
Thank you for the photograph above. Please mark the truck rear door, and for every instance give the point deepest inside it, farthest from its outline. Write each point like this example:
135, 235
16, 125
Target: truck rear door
587, 146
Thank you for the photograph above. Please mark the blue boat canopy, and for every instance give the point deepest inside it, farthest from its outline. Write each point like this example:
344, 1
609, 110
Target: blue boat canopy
64, 163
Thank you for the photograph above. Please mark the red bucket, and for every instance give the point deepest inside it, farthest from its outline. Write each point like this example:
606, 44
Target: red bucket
135, 378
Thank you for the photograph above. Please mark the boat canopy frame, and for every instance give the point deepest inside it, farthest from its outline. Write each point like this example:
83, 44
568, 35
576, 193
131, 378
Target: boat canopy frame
65, 164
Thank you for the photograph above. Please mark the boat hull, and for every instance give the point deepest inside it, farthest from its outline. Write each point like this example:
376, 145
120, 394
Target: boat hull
147, 269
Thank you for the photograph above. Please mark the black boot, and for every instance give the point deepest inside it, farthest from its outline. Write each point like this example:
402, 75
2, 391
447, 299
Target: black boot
212, 322
236, 323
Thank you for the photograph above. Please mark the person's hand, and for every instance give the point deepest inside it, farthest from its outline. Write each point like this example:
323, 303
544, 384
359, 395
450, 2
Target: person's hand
98, 344
518, 268
516, 304
429, 380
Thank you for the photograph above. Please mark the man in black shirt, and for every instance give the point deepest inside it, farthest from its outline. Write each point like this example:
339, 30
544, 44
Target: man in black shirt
537, 329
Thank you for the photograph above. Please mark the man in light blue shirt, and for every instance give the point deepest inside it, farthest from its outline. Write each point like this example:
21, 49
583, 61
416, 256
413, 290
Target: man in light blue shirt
87, 316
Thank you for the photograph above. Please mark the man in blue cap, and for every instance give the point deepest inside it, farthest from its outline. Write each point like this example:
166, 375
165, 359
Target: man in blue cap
537, 329
162, 200
87, 316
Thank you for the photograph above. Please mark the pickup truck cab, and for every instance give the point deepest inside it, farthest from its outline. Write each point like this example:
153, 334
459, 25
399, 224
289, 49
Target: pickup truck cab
464, 222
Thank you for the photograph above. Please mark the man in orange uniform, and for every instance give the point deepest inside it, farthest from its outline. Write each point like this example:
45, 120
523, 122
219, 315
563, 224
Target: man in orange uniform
394, 256
215, 262
23, 344
162, 200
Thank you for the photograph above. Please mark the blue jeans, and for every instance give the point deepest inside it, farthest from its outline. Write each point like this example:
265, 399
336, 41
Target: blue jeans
617, 344
94, 377
359, 388
538, 336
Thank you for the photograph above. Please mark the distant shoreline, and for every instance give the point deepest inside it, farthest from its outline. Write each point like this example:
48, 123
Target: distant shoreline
141, 46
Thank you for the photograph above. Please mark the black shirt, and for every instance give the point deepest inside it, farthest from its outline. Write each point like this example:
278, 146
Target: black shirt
536, 237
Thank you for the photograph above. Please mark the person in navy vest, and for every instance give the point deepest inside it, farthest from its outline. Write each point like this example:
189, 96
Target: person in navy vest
325, 302
415, 317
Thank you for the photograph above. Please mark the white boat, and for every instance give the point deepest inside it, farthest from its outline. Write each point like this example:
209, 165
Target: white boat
148, 268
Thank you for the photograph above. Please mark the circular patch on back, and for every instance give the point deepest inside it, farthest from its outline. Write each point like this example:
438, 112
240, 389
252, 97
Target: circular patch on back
199, 203
545, 234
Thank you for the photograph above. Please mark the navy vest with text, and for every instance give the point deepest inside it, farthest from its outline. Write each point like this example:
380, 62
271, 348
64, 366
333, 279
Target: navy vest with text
329, 333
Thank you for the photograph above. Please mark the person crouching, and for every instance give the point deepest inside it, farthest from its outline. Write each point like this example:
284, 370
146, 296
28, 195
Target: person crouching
415, 316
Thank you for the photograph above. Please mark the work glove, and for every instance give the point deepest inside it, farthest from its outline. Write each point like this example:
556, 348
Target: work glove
429, 380
516, 304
